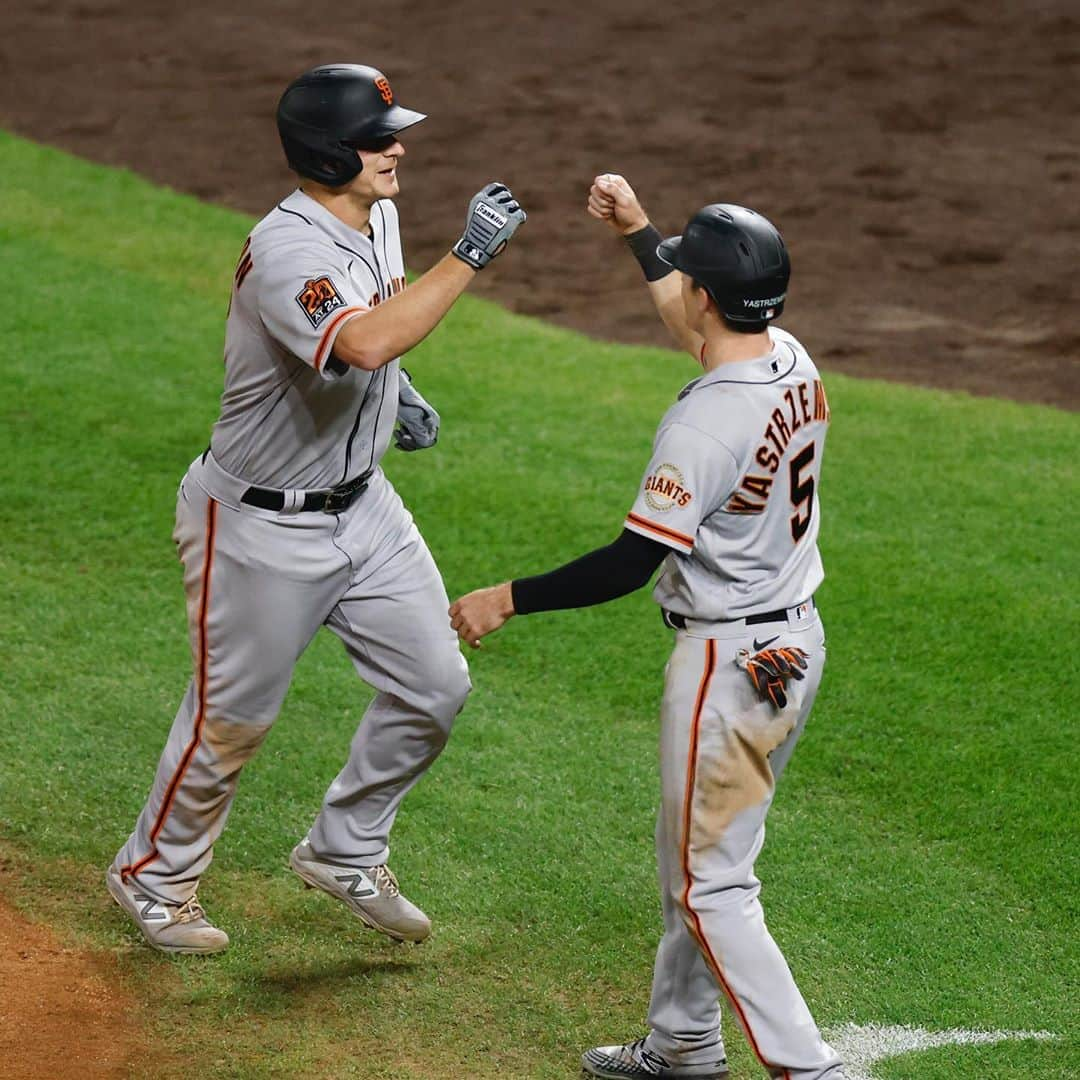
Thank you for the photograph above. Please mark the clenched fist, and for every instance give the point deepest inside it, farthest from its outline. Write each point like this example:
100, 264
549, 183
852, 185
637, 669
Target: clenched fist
494, 216
481, 612
612, 199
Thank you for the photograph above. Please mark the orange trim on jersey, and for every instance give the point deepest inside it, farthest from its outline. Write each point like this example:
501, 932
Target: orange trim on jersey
696, 929
328, 336
243, 270
660, 530
201, 679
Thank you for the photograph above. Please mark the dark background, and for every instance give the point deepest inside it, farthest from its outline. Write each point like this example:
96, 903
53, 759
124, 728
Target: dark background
921, 158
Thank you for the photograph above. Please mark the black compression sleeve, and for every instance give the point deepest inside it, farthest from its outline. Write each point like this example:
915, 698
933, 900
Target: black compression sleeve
643, 244
604, 574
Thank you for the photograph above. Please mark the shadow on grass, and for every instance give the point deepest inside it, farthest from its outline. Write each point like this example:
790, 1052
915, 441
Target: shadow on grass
318, 979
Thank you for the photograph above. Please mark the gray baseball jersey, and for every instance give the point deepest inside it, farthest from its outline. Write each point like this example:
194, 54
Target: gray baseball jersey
732, 487
291, 415
261, 582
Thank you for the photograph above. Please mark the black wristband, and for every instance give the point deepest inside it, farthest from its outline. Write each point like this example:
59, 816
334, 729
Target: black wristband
643, 244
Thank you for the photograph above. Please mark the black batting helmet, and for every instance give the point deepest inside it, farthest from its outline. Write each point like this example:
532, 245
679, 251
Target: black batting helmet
740, 260
330, 112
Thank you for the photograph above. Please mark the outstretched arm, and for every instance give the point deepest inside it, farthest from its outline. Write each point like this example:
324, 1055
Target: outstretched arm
604, 574
612, 199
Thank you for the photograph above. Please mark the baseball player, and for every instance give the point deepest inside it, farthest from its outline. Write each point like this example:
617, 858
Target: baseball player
287, 523
729, 505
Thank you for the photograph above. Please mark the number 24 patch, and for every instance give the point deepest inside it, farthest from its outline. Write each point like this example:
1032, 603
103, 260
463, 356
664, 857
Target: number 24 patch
318, 298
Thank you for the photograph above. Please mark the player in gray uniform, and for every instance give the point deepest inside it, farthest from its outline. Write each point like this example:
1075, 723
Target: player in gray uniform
729, 504
287, 522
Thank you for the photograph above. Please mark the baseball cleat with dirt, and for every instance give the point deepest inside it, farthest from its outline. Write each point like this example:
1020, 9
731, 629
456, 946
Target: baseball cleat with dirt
635, 1061
171, 928
369, 892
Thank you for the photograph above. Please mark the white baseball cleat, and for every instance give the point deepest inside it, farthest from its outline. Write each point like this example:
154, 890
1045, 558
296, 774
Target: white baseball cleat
370, 892
172, 928
635, 1061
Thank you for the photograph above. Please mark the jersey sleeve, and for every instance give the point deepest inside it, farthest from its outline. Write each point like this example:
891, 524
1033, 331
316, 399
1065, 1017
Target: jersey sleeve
305, 298
689, 476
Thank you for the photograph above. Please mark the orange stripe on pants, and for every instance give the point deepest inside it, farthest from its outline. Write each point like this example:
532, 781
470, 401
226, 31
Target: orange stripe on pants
688, 806
201, 675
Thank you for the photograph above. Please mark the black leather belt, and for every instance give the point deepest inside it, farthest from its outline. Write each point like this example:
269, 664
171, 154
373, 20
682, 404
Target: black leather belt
678, 622
331, 501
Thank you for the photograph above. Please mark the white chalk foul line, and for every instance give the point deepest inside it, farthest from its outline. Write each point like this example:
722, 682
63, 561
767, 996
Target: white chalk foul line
861, 1045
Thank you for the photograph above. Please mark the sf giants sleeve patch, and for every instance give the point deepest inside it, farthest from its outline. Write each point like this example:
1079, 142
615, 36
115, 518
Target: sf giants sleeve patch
666, 488
673, 498
318, 298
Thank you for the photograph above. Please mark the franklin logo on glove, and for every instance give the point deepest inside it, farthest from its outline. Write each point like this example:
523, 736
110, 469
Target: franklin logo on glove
485, 211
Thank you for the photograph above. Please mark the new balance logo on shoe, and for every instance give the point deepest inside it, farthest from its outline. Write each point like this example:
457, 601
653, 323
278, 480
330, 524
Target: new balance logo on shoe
371, 893
170, 928
149, 905
359, 885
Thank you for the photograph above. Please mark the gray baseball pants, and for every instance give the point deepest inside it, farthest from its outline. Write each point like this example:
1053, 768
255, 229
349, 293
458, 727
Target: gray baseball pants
721, 751
259, 584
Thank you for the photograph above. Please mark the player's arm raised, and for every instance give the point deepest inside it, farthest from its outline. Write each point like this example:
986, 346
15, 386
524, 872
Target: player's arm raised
613, 200
378, 335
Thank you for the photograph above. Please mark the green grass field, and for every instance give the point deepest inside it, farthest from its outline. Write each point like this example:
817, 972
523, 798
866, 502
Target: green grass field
921, 866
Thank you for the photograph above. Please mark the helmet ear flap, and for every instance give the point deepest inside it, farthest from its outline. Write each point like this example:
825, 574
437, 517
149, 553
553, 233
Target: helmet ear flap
345, 163
320, 162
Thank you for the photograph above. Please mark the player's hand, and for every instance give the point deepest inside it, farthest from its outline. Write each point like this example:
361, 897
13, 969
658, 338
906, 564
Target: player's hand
612, 199
418, 422
481, 612
494, 216
771, 669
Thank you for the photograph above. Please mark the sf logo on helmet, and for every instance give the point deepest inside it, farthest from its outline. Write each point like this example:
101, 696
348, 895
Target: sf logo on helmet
384, 90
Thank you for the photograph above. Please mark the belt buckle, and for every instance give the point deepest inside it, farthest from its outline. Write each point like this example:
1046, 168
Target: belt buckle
341, 498
336, 501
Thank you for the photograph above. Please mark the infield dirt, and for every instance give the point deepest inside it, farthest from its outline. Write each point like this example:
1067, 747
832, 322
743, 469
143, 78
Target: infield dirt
922, 159
63, 1012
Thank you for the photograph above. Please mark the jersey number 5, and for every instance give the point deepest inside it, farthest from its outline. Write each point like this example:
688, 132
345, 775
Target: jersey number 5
802, 491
